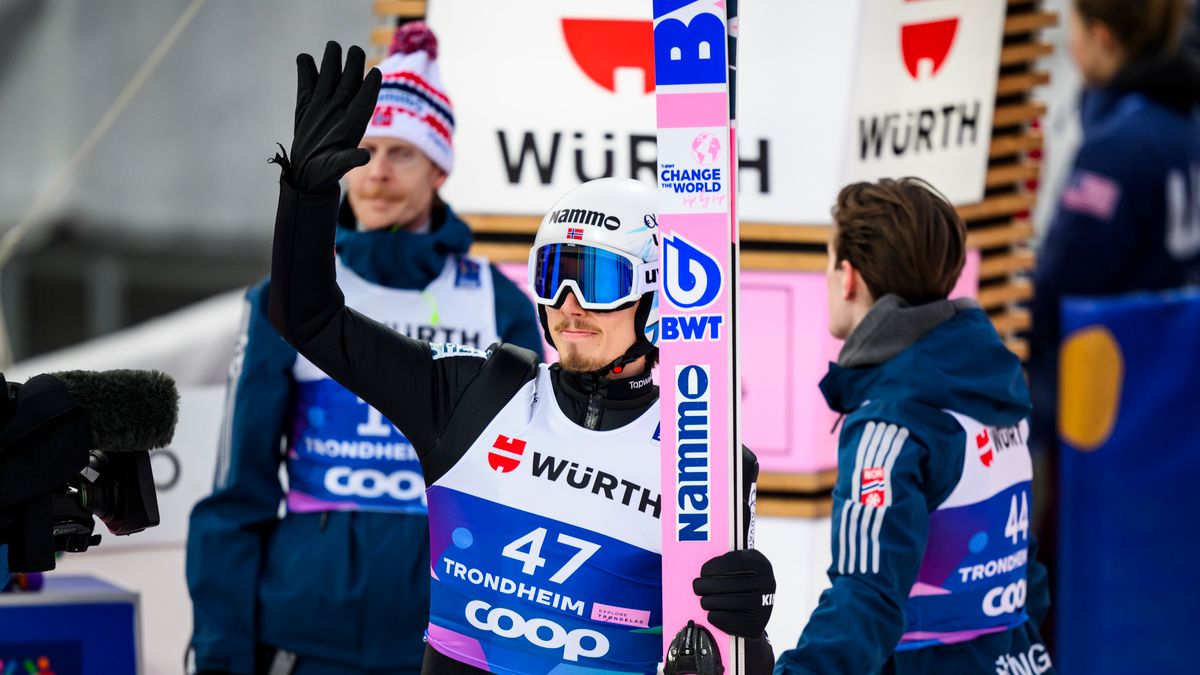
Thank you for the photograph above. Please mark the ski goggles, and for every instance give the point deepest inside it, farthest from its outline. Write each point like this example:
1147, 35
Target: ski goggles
601, 279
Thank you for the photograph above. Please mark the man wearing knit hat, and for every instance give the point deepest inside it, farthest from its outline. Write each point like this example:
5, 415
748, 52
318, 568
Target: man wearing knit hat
340, 584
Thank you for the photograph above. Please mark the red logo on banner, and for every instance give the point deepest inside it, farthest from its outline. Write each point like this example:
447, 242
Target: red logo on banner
508, 455
600, 46
983, 443
928, 40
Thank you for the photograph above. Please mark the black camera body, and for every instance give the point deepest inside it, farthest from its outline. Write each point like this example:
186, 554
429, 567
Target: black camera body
75, 446
117, 488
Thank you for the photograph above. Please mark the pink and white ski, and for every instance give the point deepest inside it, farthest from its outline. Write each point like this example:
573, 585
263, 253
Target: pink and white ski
702, 516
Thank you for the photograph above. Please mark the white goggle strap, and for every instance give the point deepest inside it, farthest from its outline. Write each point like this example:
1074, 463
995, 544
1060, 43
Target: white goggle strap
647, 277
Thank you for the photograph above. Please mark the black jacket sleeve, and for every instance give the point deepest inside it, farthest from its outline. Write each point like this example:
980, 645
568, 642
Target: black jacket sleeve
397, 375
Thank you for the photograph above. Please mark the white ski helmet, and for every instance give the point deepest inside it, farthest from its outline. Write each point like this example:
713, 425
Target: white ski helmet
601, 241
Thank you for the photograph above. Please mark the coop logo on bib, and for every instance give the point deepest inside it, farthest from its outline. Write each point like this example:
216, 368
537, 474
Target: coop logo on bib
540, 632
1004, 599
373, 483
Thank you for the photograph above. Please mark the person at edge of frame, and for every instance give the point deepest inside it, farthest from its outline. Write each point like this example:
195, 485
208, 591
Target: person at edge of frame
933, 567
340, 583
542, 480
1128, 217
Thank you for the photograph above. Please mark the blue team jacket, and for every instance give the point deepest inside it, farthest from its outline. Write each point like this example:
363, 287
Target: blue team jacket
350, 588
1128, 218
960, 364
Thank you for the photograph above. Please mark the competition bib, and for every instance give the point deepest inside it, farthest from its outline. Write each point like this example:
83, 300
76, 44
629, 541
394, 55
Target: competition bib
342, 453
545, 545
972, 579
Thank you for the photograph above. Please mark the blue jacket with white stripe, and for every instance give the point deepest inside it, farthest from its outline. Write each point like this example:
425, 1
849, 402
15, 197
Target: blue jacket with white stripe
933, 567
344, 587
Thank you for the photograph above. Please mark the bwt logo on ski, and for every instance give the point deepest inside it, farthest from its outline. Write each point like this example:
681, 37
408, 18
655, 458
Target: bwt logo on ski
586, 217
692, 280
693, 483
506, 454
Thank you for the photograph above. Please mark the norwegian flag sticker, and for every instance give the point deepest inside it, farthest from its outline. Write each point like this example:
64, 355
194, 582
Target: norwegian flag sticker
574, 233
873, 486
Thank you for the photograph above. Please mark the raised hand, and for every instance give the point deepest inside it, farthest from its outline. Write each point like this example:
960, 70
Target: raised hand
333, 108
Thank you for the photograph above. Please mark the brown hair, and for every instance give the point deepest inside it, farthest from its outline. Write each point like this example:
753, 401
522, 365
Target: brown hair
902, 236
1144, 27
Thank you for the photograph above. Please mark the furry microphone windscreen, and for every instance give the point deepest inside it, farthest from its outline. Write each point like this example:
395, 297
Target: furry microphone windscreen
128, 410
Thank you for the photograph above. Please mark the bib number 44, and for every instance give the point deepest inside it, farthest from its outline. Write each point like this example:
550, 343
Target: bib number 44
1017, 525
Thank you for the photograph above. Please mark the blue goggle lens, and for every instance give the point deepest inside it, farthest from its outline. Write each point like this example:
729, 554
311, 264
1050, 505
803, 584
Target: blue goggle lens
602, 276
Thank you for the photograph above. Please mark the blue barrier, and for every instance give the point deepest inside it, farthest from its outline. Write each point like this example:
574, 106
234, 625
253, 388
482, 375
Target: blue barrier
1129, 422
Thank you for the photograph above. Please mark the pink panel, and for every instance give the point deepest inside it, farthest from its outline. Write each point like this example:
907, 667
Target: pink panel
786, 350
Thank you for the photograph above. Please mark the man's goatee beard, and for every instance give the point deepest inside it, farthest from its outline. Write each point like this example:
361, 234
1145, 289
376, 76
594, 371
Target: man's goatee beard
572, 361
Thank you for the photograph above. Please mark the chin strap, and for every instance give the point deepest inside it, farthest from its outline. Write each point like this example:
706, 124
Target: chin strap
639, 349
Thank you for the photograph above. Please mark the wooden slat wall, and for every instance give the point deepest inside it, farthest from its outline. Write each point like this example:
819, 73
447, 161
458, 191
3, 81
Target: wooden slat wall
998, 226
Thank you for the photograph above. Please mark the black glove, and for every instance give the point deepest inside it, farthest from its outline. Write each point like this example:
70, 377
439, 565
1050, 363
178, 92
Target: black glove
332, 112
738, 590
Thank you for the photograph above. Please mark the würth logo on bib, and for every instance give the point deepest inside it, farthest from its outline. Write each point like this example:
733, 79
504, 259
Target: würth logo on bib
995, 440
873, 486
506, 454
927, 42
983, 443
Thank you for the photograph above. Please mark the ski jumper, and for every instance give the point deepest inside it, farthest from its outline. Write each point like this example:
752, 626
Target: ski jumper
534, 514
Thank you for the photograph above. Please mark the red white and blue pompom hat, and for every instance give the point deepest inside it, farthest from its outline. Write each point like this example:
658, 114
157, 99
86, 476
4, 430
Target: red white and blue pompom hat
412, 104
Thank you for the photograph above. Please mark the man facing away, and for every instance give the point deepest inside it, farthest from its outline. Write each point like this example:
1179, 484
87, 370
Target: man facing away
933, 568
340, 584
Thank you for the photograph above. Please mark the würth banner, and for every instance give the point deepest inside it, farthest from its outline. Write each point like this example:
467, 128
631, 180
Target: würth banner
558, 92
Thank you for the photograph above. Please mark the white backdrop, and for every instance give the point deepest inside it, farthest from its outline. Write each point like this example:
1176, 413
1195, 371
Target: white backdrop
562, 91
